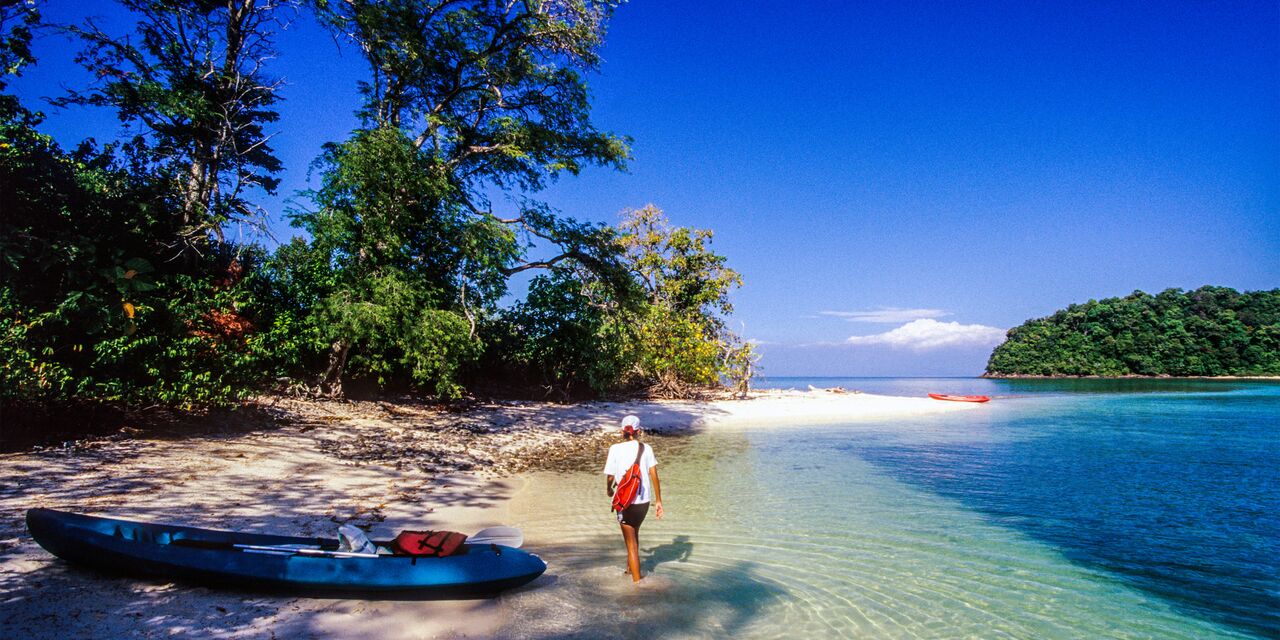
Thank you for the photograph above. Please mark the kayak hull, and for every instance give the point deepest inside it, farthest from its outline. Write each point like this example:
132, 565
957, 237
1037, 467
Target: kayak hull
161, 551
951, 398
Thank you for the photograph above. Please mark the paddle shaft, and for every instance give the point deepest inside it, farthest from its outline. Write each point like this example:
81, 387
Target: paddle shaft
258, 548
504, 536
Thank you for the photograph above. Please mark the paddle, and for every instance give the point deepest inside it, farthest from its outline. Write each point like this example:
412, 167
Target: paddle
505, 536
279, 549
258, 548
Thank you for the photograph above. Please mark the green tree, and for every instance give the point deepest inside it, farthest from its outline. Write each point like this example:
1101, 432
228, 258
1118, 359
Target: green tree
195, 85
572, 336
464, 100
17, 20
89, 311
662, 329
683, 336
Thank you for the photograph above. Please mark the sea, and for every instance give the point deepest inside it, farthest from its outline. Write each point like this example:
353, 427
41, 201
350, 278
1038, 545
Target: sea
1061, 509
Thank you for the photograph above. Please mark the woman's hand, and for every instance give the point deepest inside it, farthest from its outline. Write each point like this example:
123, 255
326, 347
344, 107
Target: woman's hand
659, 505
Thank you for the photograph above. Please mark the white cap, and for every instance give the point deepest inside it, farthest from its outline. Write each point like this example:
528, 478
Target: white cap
631, 421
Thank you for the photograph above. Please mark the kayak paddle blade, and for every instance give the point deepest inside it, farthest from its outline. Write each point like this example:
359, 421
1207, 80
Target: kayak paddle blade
505, 536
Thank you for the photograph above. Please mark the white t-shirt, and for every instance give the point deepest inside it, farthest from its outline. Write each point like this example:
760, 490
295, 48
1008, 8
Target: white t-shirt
622, 456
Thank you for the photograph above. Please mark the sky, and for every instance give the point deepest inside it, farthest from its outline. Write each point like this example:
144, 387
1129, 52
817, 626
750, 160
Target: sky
898, 182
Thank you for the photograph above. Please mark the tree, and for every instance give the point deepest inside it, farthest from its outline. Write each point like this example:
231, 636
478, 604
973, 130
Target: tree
571, 336
88, 312
63, 288
683, 338
464, 100
195, 84
661, 329
420, 218
492, 94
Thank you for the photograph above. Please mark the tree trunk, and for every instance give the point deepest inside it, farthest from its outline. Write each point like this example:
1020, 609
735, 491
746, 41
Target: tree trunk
331, 383
204, 172
193, 202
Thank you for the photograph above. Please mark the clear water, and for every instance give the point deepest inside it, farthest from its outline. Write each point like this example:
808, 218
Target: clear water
1118, 509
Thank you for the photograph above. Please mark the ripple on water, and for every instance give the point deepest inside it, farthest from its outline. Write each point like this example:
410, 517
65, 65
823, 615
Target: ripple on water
833, 552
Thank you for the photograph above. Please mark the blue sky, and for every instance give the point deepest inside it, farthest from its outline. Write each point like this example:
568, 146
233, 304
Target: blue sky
915, 177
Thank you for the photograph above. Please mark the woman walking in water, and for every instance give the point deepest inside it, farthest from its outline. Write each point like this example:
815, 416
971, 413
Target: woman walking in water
626, 459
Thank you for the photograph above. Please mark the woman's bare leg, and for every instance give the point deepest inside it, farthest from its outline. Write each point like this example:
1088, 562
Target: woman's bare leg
632, 538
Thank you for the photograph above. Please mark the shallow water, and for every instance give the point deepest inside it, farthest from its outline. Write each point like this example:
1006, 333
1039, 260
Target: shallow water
1056, 511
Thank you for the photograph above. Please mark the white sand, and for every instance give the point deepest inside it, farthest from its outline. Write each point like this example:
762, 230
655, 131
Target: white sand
278, 479
780, 408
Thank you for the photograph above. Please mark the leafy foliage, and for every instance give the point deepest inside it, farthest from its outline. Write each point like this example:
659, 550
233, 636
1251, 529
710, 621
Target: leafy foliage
683, 338
569, 337
403, 260
465, 99
661, 329
86, 312
91, 309
119, 288
17, 20
492, 90
1212, 331
194, 84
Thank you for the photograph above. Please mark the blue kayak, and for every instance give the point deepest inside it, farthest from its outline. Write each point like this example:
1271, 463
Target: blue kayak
250, 560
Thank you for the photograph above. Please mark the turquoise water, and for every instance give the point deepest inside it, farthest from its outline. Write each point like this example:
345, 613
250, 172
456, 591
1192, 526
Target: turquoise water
1059, 510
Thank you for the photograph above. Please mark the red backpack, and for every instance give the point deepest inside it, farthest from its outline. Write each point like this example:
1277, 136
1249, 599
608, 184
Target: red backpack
428, 543
629, 484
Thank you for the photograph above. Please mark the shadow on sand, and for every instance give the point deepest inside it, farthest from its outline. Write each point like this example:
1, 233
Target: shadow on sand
272, 476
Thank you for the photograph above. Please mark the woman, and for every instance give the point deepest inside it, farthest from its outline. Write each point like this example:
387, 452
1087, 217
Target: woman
621, 456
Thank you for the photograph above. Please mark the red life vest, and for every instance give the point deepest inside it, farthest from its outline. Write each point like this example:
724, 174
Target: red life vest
428, 543
629, 484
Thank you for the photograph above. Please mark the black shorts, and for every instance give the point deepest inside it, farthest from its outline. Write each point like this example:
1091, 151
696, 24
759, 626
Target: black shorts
634, 514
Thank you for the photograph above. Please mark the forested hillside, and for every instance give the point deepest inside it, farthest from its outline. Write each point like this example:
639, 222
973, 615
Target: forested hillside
1212, 331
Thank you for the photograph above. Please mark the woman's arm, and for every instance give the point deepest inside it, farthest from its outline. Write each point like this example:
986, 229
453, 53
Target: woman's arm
657, 489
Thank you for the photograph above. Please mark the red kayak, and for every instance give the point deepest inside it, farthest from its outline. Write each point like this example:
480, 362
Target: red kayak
943, 396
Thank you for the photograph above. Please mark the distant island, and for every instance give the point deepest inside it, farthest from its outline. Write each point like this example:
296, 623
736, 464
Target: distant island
1209, 332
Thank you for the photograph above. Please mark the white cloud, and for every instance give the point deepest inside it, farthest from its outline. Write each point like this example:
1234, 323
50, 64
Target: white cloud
926, 334
887, 315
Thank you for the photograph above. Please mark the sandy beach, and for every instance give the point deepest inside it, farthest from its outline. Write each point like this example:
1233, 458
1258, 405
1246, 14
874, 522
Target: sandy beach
304, 467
